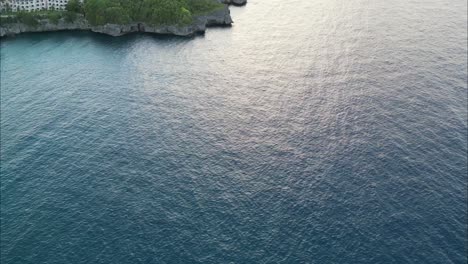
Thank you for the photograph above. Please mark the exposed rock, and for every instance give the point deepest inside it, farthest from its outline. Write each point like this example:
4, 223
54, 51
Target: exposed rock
115, 30
234, 2
44, 25
220, 17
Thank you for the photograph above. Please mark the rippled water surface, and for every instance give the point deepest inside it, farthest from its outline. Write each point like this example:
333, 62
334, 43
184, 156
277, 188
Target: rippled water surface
313, 131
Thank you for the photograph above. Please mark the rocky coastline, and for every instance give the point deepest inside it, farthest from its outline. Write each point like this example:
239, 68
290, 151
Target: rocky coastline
220, 17
234, 2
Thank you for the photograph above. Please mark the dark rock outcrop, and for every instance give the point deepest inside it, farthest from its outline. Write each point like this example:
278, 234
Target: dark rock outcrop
234, 2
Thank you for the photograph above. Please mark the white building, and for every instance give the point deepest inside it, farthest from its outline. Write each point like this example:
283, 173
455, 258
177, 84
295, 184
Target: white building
33, 5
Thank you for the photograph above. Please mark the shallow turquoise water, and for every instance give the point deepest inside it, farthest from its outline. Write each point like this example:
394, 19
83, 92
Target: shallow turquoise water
310, 132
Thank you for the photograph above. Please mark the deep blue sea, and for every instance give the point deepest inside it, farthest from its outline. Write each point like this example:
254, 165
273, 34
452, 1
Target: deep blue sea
311, 131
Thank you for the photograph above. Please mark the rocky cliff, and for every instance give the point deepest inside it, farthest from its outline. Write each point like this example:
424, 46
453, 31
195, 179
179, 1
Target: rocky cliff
234, 2
220, 17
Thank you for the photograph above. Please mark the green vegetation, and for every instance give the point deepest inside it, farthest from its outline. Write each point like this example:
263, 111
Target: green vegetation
156, 12
74, 6
27, 18
203, 6
8, 19
54, 17
100, 12
70, 16
32, 18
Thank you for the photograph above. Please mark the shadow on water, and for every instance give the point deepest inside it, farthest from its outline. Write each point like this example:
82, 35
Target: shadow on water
103, 38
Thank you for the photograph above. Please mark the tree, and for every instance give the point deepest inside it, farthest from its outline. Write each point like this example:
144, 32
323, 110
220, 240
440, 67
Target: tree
156, 12
54, 17
27, 18
70, 17
74, 6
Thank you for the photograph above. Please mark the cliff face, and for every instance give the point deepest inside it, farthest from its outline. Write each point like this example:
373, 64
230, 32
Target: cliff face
220, 17
44, 25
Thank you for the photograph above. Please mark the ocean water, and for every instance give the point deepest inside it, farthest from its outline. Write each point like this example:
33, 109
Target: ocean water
318, 131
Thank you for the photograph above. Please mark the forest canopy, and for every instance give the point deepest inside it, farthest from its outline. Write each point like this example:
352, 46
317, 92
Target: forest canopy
157, 12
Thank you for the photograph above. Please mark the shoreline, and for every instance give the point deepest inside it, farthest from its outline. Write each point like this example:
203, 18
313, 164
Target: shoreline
220, 17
